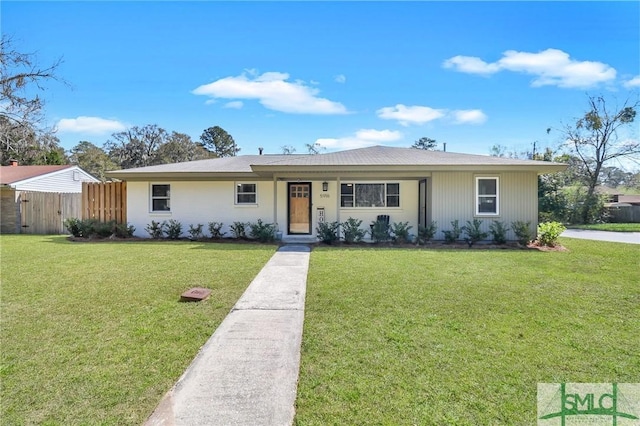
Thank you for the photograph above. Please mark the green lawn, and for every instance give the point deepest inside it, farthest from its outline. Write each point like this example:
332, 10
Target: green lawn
93, 333
617, 227
463, 336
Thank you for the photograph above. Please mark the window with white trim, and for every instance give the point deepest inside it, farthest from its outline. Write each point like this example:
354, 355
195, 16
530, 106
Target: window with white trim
246, 193
487, 196
160, 198
370, 195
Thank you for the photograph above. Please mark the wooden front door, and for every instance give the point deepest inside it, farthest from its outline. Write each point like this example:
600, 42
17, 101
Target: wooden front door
299, 208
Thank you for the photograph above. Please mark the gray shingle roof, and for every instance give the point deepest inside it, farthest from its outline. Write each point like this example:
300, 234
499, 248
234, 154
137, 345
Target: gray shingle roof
376, 156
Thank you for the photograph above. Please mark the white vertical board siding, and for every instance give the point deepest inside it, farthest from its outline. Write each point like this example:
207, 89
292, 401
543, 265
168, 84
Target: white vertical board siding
453, 197
198, 202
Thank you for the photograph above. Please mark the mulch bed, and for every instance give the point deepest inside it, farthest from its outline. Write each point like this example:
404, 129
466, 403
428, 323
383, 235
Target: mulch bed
430, 245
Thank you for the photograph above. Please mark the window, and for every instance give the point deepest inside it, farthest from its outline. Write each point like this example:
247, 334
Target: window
246, 193
160, 198
487, 196
370, 195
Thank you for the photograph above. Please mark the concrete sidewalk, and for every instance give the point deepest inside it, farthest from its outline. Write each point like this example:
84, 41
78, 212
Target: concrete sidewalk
247, 372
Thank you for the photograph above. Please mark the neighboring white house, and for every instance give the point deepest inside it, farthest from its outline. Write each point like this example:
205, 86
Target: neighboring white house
15, 179
298, 191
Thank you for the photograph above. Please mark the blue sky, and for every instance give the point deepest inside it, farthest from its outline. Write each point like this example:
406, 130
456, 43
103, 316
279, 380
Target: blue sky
343, 74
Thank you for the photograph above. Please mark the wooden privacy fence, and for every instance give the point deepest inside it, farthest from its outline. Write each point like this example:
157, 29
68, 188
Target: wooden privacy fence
105, 201
45, 212
624, 214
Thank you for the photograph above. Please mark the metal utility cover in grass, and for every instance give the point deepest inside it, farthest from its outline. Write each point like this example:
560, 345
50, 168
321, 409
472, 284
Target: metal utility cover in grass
195, 294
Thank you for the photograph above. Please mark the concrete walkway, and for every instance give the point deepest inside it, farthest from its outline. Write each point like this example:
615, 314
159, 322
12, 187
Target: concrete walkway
247, 372
615, 237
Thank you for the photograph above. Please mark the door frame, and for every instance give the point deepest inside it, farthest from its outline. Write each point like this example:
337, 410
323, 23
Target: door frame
289, 184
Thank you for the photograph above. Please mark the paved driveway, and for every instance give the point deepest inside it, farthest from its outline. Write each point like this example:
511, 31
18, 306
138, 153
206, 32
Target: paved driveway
616, 237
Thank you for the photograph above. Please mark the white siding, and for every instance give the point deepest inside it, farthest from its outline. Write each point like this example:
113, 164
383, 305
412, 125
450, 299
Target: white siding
198, 202
453, 195
66, 180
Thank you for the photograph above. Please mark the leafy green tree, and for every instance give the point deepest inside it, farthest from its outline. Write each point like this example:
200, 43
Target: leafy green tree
425, 143
137, 146
217, 141
178, 148
594, 140
92, 159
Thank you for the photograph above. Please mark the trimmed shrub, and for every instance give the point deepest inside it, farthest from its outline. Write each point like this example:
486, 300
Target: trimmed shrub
351, 231
401, 232
380, 231
215, 229
548, 233
426, 233
474, 232
172, 228
195, 232
453, 235
523, 231
123, 230
263, 232
498, 232
239, 230
155, 230
327, 232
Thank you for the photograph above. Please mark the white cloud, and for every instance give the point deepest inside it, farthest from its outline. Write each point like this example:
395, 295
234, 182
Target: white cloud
92, 125
361, 139
341, 78
471, 65
416, 114
234, 104
634, 82
468, 116
552, 67
407, 115
273, 91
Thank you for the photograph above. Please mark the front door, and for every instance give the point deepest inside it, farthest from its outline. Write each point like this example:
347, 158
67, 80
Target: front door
299, 208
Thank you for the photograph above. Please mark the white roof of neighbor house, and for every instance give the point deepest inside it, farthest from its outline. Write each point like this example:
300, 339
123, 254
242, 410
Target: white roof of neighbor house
371, 159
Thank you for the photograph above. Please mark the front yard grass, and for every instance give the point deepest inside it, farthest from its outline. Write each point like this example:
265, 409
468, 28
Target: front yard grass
93, 333
616, 227
462, 337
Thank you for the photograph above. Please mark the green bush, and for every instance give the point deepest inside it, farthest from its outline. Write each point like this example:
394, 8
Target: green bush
351, 231
426, 233
453, 235
474, 232
523, 231
172, 228
123, 230
239, 230
380, 231
498, 232
155, 230
73, 226
195, 232
327, 232
264, 232
215, 229
89, 228
549, 232
401, 232
103, 230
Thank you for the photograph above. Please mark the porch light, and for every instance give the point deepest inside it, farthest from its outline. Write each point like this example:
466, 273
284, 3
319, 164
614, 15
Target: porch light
325, 186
